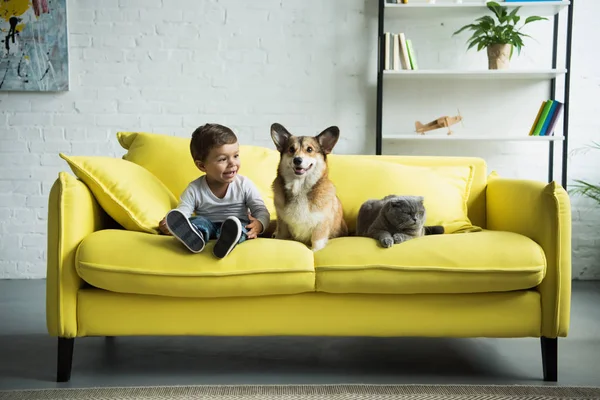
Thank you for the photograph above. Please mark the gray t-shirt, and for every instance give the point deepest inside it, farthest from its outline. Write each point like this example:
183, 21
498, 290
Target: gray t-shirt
242, 195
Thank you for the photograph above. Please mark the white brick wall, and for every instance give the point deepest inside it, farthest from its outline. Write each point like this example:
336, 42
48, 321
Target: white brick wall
170, 65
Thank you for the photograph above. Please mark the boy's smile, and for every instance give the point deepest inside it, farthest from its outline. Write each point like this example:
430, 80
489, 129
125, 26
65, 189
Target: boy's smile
222, 164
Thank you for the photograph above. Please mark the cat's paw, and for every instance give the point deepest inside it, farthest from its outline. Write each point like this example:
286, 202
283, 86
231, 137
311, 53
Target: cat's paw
387, 242
398, 238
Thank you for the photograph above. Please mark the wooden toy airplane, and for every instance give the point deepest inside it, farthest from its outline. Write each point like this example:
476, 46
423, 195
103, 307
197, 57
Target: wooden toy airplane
442, 122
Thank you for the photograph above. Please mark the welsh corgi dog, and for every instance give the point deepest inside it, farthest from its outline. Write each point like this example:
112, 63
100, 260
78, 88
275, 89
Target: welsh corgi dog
308, 209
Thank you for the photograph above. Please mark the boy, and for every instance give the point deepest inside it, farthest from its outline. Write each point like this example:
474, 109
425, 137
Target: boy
220, 198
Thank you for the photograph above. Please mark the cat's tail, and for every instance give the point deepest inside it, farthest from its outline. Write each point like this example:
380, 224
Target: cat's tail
434, 230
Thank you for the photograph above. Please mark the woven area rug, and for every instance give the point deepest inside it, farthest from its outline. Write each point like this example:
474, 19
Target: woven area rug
313, 392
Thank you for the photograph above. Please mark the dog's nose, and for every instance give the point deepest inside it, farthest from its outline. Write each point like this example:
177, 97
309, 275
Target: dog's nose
297, 160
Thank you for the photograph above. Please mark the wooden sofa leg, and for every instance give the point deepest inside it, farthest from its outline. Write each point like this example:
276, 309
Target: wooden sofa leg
65, 359
550, 358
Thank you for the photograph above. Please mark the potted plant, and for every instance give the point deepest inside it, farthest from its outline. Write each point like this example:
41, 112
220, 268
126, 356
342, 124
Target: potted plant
500, 36
587, 189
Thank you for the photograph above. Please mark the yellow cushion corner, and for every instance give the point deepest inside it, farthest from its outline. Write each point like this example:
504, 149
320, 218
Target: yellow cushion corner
131, 195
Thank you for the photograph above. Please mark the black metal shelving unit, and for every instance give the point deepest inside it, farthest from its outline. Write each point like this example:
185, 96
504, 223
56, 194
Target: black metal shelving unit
553, 86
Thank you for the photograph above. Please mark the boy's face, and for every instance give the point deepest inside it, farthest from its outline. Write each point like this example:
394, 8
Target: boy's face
222, 163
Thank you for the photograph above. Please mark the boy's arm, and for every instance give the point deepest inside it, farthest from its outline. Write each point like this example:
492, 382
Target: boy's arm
256, 204
187, 201
187, 205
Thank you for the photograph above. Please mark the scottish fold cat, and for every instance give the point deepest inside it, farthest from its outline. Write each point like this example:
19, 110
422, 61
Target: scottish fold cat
394, 219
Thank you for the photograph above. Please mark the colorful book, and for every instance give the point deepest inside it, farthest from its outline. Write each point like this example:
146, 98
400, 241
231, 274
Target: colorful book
548, 119
557, 113
545, 112
537, 118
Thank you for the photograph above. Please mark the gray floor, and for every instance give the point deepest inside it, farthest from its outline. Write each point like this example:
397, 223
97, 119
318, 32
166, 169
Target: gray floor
27, 354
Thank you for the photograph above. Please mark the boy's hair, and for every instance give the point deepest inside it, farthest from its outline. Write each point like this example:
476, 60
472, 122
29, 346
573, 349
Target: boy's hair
207, 137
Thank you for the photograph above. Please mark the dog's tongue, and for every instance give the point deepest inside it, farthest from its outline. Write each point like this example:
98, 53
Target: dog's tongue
299, 171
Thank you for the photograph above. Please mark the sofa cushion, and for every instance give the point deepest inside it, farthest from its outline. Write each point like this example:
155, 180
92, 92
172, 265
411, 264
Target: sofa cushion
446, 189
130, 194
169, 158
133, 262
461, 263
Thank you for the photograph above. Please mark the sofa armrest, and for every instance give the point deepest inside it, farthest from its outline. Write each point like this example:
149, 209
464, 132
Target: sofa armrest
541, 212
73, 213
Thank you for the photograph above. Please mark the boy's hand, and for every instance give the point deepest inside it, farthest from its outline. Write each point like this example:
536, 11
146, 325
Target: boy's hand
254, 227
162, 227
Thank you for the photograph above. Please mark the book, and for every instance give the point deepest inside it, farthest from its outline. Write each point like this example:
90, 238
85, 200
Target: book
548, 118
387, 54
537, 118
404, 51
557, 113
396, 53
540, 124
411, 54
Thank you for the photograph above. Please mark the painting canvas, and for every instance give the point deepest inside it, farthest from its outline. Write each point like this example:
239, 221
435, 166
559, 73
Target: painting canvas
34, 45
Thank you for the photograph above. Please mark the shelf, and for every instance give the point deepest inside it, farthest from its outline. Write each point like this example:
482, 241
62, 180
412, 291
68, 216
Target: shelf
470, 9
536, 74
489, 138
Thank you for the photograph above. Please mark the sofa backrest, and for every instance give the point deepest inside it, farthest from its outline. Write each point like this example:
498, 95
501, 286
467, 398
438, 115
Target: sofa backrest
169, 159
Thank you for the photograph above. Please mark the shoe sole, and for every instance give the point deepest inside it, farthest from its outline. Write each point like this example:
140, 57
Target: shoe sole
231, 230
184, 231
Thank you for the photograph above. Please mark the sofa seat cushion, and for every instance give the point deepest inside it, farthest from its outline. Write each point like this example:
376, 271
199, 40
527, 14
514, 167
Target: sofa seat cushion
140, 263
458, 263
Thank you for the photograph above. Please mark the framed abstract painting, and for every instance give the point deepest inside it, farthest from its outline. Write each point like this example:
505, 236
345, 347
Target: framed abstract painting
35, 51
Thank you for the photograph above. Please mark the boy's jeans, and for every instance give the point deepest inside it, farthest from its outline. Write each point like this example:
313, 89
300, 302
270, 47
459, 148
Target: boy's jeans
211, 230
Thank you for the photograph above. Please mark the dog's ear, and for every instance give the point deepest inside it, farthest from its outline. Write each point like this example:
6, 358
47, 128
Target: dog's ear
328, 138
280, 136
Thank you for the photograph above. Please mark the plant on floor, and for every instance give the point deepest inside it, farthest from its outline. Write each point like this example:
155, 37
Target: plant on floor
500, 38
584, 188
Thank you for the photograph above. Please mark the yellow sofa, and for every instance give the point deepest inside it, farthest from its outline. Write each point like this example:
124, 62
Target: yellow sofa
503, 269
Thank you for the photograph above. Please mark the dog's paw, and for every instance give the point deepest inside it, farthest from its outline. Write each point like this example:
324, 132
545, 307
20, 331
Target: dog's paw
319, 244
387, 242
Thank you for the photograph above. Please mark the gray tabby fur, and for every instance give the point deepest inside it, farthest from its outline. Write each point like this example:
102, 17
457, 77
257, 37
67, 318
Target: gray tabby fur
394, 219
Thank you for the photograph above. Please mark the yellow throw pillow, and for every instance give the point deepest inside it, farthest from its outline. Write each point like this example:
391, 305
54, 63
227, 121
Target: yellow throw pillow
131, 195
169, 158
446, 189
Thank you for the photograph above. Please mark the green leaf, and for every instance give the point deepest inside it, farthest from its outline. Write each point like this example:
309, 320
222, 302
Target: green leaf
533, 19
513, 16
480, 42
583, 188
472, 26
487, 19
495, 8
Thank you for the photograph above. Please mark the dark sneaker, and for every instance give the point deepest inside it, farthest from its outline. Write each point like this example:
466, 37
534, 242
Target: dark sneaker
231, 230
181, 227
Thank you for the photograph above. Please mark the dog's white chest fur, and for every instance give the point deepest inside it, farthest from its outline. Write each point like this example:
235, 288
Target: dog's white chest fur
298, 215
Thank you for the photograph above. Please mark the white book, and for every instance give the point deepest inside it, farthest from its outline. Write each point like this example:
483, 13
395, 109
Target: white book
396, 52
387, 55
404, 51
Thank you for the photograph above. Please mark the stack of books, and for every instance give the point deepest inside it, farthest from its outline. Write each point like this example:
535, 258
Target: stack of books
546, 118
398, 52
